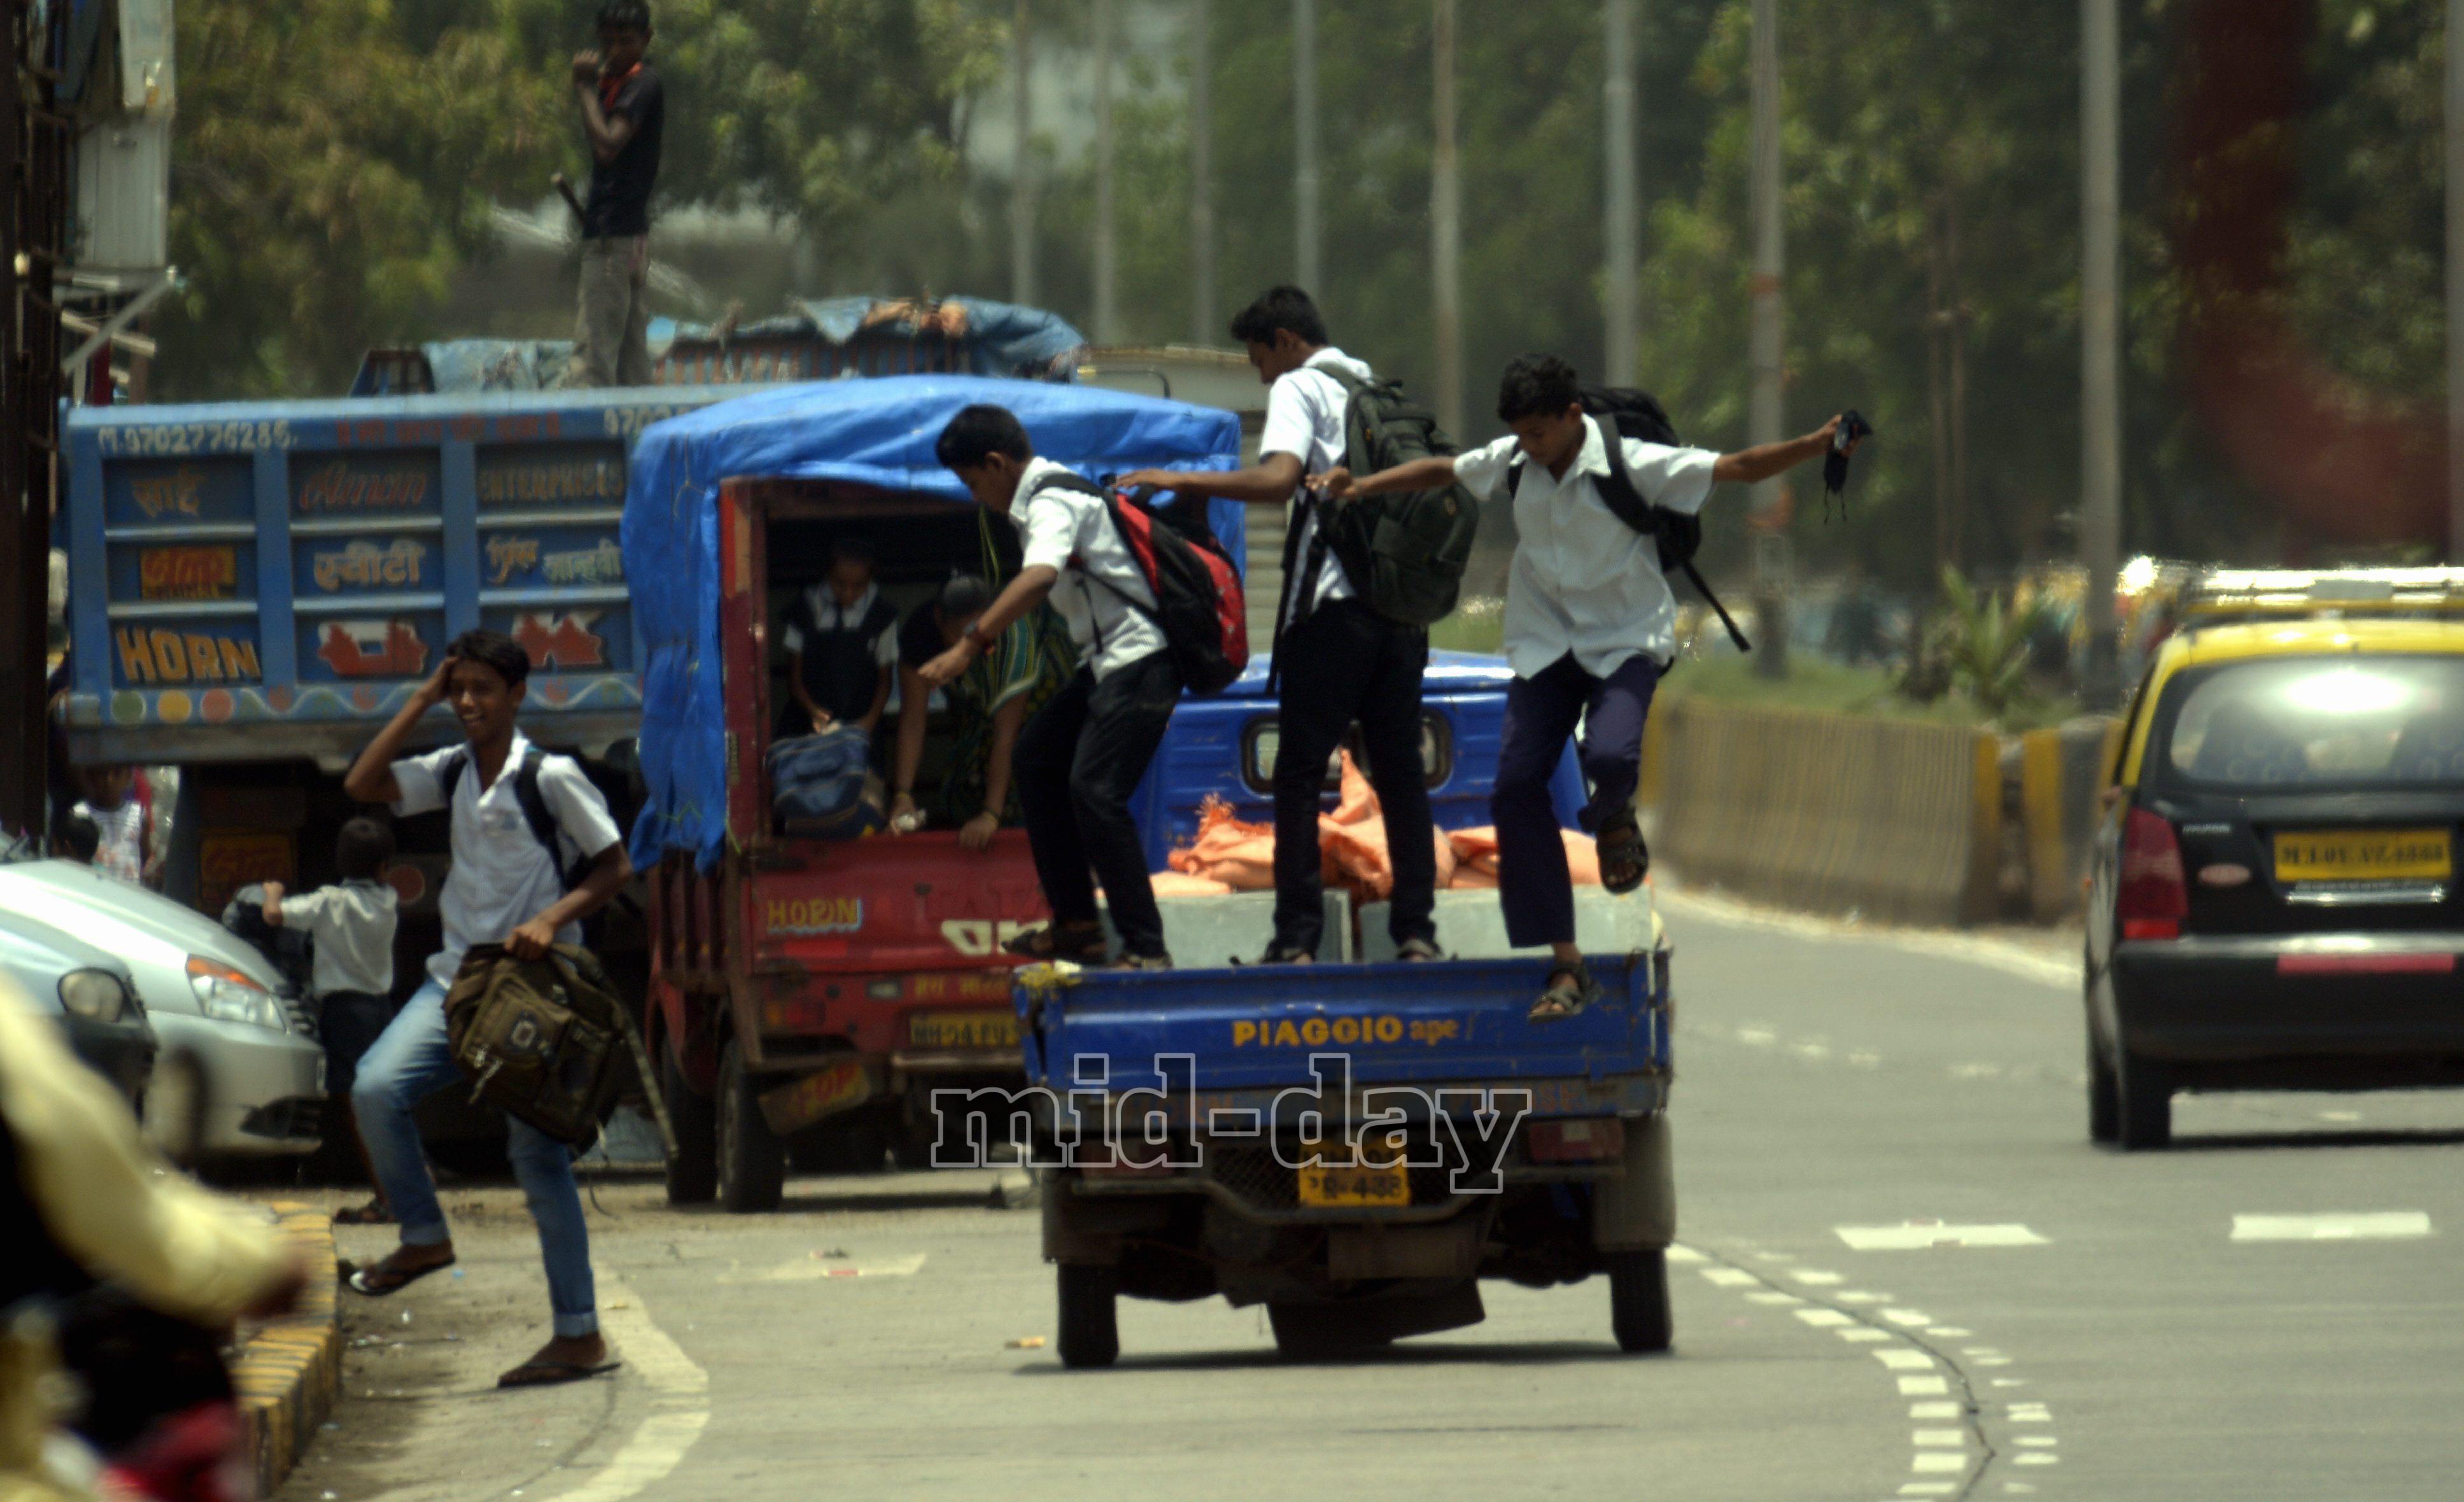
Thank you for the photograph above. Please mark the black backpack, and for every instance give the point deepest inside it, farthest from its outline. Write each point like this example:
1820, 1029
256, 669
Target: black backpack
526, 791
1405, 551
1200, 605
1631, 413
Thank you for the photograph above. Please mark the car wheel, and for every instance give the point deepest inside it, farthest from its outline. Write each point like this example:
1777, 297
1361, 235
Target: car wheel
1638, 1300
752, 1162
1090, 1332
2145, 1093
2104, 1096
692, 1173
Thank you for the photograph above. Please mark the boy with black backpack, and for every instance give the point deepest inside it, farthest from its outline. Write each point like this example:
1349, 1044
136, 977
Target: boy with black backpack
1350, 644
1083, 754
1590, 621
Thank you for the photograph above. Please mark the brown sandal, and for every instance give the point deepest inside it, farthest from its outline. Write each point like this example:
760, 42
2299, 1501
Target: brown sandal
1558, 1002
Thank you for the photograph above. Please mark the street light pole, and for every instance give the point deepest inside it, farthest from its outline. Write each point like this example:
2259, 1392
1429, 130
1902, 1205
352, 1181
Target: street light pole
1769, 416
1621, 226
1201, 174
1022, 187
2100, 334
1305, 231
1445, 224
1108, 312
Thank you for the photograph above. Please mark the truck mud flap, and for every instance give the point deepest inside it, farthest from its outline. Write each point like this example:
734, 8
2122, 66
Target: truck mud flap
838, 1089
1638, 1212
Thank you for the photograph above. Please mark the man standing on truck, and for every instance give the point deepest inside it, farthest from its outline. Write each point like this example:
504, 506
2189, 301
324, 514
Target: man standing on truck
1590, 629
508, 885
990, 703
1079, 758
1337, 660
624, 114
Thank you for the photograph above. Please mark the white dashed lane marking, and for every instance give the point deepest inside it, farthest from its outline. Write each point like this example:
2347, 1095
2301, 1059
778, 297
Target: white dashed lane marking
2364, 1226
1922, 1235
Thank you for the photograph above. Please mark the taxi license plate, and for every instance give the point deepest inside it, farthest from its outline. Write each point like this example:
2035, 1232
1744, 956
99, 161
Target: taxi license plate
964, 1030
2363, 856
1355, 1188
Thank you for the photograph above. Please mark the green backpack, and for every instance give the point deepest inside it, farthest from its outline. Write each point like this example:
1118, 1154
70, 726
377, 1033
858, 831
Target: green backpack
540, 1039
1405, 552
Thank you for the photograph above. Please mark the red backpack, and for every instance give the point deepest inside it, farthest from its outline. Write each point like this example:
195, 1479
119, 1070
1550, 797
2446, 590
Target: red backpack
1198, 604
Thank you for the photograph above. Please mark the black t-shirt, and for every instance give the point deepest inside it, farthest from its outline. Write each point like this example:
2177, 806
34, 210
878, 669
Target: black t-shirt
619, 191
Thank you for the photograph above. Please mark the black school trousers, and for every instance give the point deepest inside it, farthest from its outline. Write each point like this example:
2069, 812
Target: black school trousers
1340, 663
1535, 885
1077, 762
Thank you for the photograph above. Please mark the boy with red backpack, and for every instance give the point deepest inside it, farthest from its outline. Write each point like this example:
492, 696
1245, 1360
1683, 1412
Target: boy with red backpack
1151, 611
1589, 626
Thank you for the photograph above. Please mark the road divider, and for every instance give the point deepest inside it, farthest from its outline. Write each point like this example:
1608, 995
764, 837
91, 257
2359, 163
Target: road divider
289, 1369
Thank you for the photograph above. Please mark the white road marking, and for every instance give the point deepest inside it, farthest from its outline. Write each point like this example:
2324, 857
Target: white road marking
2039, 1441
1816, 1278
681, 1399
1901, 1359
2010, 1381
1910, 1317
1774, 1296
1948, 1332
1933, 1410
1862, 1334
1685, 1254
1929, 1489
1776, 1256
1811, 1051
2037, 1457
2026, 963
1918, 1235
1975, 1070
1824, 1318
2339, 1116
1937, 1461
1729, 1278
2363, 1225
1989, 1360
2030, 1412
1864, 1058
1923, 1386
1758, 1037
1864, 1298
1938, 1439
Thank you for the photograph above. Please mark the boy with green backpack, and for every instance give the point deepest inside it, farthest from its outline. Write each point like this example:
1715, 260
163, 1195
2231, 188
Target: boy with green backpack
1351, 636
1590, 621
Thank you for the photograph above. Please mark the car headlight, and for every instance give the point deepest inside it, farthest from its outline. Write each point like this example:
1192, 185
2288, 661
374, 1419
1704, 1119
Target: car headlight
225, 993
94, 994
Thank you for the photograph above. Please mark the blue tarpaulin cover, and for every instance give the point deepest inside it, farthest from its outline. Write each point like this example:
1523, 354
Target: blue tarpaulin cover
875, 432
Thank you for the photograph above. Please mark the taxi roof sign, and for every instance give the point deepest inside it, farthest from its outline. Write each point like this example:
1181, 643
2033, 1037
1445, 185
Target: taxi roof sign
2245, 594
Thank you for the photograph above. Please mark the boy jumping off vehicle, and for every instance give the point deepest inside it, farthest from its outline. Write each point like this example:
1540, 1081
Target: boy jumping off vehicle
510, 883
1337, 660
1083, 754
1590, 629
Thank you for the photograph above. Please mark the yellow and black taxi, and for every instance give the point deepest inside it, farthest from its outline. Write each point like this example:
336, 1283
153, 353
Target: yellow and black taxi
2275, 901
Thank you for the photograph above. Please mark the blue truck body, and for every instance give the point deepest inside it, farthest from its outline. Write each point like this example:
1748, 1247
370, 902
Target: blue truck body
1353, 1146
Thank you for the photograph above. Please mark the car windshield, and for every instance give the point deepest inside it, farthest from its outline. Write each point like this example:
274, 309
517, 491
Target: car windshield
2323, 723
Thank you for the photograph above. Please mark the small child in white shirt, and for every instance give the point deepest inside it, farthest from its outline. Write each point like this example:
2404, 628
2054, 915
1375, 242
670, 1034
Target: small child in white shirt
351, 924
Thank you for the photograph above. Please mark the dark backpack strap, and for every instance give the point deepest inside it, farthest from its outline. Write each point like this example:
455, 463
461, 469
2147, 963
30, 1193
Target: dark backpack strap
1624, 498
448, 775
538, 815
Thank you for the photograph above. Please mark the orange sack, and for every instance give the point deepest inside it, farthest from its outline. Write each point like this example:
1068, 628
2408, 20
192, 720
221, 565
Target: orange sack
1181, 884
1477, 851
1240, 856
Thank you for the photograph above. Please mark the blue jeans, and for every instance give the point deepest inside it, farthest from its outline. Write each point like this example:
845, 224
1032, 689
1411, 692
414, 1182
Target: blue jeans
411, 1062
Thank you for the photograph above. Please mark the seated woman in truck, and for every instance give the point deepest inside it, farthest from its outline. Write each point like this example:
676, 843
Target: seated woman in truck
988, 703
842, 641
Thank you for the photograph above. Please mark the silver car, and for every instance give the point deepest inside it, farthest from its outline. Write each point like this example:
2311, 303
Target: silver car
240, 1072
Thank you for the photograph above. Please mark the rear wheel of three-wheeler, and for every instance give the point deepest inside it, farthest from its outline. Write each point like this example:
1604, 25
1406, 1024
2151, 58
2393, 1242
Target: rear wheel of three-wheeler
1639, 1299
752, 1162
692, 1173
1091, 1334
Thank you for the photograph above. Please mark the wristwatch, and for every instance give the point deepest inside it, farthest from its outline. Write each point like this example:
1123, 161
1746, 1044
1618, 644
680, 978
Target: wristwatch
976, 638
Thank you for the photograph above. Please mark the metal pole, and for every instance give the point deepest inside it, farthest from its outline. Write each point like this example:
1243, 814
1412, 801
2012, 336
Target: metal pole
1769, 416
1304, 181
2456, 282
2101, 331
1621, 229
1445, 224
1022, 187
25, 551
1107, 310
1201, 174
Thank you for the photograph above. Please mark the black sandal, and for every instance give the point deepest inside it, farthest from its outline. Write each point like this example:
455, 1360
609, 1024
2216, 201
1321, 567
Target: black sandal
1129, 962
1557, 1002
1418, 951
1078, 943
372, 1213
1624, 859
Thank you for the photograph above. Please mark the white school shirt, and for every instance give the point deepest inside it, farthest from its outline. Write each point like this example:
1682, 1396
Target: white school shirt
830, 615
352, 925
1304, 419
502, 877
1070, 530
119, 838
1583, 582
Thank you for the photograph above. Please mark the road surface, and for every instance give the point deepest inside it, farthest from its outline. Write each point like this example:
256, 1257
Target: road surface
1906, 1274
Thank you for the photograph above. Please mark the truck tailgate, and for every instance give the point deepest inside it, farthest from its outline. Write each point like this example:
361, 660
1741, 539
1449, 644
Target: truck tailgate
1258, 1029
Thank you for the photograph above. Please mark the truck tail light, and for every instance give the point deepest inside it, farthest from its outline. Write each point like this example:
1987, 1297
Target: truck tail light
1577, 1141
2153, 899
